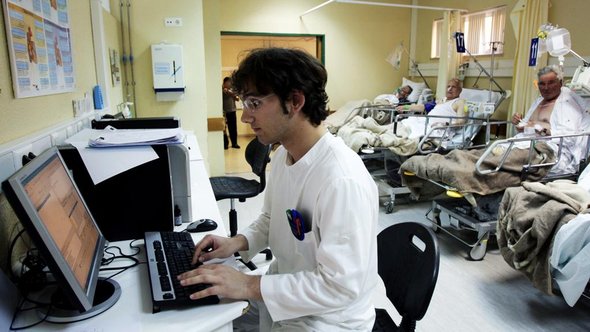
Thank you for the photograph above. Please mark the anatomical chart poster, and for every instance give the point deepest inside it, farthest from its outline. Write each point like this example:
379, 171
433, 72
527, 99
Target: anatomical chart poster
40, 46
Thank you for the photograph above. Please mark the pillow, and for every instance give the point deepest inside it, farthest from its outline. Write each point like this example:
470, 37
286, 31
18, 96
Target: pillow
478, 95
416, 89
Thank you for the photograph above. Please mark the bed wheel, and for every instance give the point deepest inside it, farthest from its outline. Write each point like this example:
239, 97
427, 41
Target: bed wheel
389, 207
436, 223
478, 251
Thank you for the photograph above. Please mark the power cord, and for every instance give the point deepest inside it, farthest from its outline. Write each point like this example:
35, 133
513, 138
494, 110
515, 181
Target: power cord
20, 309
33, 276
114, 256
13, 277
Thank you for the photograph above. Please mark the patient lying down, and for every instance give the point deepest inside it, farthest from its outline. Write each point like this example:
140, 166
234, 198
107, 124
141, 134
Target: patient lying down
361, 132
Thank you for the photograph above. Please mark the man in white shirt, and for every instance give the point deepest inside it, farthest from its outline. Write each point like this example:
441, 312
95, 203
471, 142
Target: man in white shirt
325, 245
557, 111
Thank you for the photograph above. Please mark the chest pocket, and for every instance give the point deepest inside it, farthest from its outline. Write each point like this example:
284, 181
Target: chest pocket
307, 250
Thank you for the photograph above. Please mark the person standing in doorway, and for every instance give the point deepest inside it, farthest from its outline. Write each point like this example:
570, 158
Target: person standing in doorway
229, 113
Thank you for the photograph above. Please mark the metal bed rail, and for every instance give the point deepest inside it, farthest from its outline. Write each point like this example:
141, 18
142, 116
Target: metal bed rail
459, 214
499, 145
445, 135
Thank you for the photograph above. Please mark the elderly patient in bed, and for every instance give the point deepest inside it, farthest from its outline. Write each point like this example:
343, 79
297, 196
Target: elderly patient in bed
558, 111
451, 106
367, 131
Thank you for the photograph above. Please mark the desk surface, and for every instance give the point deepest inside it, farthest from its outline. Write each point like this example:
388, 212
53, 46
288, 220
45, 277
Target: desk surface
133, 311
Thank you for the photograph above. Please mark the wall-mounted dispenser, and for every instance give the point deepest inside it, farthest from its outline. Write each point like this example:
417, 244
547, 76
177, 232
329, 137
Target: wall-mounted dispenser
168, 72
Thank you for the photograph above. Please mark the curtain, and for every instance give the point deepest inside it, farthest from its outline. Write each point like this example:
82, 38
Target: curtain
449, 58
482, 28
528, 16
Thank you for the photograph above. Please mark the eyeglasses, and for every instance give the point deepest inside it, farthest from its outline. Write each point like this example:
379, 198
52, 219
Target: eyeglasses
253, 103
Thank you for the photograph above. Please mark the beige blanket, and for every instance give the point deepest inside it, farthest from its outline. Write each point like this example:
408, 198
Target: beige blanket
344, 114
457, 169
359, 132
528, 219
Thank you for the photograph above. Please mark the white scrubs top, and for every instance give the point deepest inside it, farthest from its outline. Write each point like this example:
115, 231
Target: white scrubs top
325, 281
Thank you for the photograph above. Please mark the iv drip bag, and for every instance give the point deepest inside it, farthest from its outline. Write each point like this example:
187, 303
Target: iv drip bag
558, 42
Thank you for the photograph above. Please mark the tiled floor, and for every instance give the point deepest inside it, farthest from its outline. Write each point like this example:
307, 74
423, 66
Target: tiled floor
234, 158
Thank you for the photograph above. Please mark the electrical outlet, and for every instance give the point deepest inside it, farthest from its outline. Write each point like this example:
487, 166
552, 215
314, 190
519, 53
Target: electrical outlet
17, 155
6, 165
173, 21
58, 137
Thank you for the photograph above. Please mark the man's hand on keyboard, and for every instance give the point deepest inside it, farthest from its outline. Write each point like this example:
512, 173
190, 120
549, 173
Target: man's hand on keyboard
213, 246
225, 282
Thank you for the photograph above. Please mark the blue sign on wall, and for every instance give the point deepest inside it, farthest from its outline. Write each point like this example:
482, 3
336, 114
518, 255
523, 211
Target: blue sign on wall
533, 52
460, 42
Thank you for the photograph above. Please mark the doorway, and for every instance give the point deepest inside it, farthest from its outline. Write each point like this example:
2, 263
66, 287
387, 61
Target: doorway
234, 47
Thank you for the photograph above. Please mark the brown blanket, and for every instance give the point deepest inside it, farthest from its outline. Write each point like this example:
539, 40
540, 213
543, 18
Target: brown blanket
528, 219
457, 169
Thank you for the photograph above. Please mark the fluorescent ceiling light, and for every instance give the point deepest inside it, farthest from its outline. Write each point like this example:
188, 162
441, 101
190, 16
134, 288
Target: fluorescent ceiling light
372, 3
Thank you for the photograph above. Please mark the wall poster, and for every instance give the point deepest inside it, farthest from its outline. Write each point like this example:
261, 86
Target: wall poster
40, 47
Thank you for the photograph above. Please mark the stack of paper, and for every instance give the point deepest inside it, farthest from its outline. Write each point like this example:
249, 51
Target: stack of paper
111, 137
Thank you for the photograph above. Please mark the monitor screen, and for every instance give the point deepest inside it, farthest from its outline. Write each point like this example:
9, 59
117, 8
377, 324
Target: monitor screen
51, 209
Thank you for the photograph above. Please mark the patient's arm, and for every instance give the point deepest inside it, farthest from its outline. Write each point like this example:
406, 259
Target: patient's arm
461, 110
416, 108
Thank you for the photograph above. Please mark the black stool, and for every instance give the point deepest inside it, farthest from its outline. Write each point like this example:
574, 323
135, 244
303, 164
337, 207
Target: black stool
235, 187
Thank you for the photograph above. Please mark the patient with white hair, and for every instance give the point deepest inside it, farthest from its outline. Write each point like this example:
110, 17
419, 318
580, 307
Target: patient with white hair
451, 107
557, 111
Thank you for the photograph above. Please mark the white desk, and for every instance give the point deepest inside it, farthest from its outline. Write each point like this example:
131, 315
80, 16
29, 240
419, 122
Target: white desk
133, 311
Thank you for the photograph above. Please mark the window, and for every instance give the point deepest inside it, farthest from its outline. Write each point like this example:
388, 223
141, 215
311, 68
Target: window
435, 43
481, 30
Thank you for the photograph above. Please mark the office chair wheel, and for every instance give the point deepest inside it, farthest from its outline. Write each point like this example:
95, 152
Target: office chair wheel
268, 254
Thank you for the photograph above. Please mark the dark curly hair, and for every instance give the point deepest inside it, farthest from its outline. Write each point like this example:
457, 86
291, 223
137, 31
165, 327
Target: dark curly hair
281, 71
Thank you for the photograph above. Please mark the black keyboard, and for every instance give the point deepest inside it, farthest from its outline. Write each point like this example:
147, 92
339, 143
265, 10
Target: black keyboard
168, 255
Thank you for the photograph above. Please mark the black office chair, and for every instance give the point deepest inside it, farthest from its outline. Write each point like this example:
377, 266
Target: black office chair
408, 259
234, 187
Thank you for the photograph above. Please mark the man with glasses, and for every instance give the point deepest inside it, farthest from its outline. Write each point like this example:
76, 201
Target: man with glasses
558, 111
320, 209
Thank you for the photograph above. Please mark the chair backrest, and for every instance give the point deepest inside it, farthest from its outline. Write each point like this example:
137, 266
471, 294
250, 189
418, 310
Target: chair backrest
258, 156
408, 260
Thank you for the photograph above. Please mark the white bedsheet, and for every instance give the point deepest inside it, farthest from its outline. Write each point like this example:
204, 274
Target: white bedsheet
570, 258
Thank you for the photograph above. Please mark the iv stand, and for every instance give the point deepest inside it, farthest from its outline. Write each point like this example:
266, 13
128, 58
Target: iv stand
490, 76
415, 66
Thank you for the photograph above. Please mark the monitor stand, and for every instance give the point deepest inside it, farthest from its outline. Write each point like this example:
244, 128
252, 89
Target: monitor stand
106, 295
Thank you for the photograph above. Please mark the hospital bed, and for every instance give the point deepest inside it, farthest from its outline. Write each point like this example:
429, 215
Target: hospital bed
481, 181
439, 139
544, 232
385, 147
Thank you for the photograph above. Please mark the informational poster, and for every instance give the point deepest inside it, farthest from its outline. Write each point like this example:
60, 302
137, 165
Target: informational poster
40, 47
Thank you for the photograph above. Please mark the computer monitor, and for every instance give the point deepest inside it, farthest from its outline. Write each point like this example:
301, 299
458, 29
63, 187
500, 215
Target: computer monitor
54, 214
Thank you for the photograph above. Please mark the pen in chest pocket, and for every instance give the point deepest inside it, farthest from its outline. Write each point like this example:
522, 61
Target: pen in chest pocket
297, 224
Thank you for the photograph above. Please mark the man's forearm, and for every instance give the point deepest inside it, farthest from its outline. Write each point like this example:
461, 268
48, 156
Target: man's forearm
240, 242
253, 288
